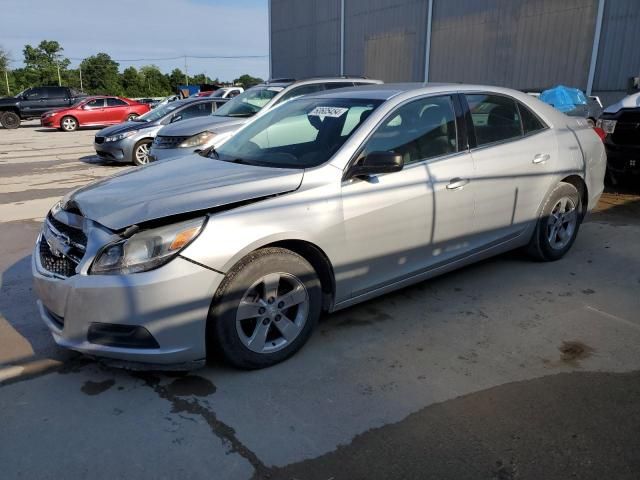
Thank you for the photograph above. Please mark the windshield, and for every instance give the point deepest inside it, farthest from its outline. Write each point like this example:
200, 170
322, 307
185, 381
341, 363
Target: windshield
301, 133
219, 93
248, 103
157, 113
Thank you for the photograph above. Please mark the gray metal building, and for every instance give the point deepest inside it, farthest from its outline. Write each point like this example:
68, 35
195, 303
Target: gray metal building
524, 44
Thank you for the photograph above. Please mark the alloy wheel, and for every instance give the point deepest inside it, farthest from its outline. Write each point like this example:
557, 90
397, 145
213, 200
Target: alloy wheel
562, 223
272, 313
69, 124
142, 153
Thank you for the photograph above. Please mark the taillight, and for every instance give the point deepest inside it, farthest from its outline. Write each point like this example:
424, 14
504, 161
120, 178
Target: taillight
600, 132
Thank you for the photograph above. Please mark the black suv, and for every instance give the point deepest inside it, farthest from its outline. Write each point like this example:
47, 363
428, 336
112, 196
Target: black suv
621, 123
33, 102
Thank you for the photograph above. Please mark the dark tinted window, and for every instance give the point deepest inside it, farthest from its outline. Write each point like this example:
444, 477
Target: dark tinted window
530, 123
115, 102
331, 86
197, 110
302, 90
495, 118
422, 129
96, 103
35, 94
56, 92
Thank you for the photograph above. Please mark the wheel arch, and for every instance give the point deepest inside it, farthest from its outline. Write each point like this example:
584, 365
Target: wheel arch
578, 182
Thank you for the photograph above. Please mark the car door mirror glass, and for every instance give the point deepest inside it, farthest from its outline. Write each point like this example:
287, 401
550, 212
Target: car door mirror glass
377, 163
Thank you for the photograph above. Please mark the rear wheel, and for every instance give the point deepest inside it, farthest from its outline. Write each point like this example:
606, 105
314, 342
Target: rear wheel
141, 152
132, 116
9, 120
68, 124
266, 309
558, 225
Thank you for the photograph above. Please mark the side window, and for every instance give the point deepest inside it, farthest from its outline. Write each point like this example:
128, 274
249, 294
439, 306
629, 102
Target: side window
116, 102
495, 118
96, 103
419, 130
302, 90
197, 110
530, 122
36, 94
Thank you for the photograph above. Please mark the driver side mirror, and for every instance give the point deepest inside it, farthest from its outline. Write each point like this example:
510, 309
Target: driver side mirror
177, 118
376, 163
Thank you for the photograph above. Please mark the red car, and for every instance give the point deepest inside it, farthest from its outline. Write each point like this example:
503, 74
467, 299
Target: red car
93, 112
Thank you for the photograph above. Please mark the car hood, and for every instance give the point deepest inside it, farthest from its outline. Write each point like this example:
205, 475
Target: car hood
630, 101
193, 126
125, 127
189, 184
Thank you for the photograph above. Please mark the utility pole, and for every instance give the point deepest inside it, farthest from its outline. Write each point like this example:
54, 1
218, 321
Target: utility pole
186, 75
59, 79
6, 78
80, 68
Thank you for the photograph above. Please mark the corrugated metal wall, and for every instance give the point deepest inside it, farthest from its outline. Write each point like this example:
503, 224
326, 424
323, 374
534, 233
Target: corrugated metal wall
619, 52
305, 38
525, 44
385, 39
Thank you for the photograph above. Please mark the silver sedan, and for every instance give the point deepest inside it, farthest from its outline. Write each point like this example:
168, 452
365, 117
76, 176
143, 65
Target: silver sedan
321, 203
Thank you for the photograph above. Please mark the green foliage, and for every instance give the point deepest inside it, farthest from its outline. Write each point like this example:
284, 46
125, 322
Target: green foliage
247, 81
100, 74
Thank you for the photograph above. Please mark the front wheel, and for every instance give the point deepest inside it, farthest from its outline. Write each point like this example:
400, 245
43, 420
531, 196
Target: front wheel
558, 225
266, 309
141, 152
9, 120
68, 124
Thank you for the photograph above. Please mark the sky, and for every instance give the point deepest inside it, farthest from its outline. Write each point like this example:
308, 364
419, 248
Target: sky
136, 29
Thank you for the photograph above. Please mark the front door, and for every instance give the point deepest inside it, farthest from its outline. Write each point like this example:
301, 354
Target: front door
392, 221
34, 102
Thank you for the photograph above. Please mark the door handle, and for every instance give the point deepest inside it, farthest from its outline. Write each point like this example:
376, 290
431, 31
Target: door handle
457, 183
541, 158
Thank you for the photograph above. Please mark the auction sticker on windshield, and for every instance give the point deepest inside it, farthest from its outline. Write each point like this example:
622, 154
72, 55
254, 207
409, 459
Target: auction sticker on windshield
333, 112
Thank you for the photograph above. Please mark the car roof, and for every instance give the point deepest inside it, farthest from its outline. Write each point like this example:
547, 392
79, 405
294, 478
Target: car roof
389, 90
286, 82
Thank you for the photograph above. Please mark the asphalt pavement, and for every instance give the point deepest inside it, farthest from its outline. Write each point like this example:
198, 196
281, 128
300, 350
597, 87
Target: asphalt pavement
508, 369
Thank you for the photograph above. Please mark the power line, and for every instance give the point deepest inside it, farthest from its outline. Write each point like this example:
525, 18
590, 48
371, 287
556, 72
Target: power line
204, 57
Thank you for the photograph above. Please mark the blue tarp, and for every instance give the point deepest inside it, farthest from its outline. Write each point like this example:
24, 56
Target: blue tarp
564, 98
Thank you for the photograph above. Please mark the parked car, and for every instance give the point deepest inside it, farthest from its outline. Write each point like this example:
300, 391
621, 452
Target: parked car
169, 99
93, 112
224, 92
573, 102
129, 142
177, 140
621, 123
33, 102
319, 204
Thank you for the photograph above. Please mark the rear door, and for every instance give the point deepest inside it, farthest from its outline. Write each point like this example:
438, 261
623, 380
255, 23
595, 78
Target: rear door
116, 110
56, 97
514, 155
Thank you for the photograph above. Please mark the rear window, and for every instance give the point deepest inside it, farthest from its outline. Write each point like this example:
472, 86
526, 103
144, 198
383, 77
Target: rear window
530, 122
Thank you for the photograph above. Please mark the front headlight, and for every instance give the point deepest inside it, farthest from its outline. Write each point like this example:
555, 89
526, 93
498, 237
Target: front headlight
120, 136
147, 249
608, 126
197, 140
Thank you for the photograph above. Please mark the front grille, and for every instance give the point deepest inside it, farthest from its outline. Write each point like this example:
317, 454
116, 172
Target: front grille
168, 142
627, 131
62, 265
76, 235
61, 247
99, 140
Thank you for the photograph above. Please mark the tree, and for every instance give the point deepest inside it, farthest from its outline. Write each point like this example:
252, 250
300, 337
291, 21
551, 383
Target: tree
247, 81
4, 68
132, 83
100, 75
42, 63
175, 78
155, 83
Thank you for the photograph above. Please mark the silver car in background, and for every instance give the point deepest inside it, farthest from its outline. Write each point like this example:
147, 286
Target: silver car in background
129, 142
319, 204
195, 135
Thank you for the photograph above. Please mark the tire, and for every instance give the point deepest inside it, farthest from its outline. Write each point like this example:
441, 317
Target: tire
10, 120
236, 333
140, 154
131, 116
558, 224
68, 124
